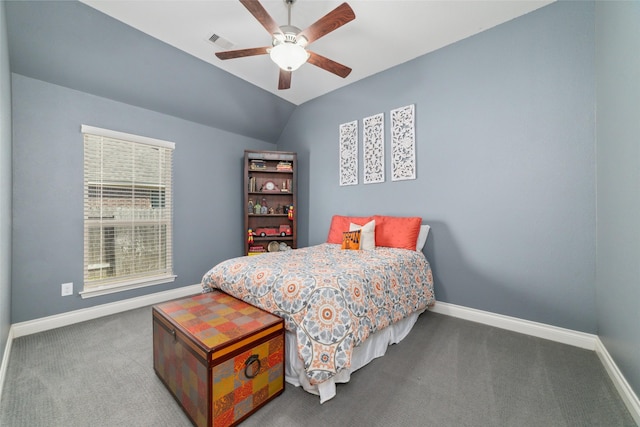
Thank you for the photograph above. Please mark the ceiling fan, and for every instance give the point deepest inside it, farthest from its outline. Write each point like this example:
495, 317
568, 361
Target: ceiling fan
288, 45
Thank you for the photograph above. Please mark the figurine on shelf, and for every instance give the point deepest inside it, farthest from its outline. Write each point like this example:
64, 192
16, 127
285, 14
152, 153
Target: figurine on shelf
264, 208
250, 206
257, 208
290, 212
250, 236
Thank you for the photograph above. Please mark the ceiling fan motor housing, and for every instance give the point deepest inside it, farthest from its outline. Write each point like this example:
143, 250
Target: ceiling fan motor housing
289, 35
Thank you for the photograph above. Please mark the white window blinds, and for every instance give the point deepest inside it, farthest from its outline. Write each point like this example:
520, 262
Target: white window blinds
128, 211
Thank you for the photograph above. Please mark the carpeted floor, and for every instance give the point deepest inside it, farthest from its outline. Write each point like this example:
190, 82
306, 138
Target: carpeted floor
448, 372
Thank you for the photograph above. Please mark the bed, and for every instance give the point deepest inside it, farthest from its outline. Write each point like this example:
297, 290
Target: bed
342, 308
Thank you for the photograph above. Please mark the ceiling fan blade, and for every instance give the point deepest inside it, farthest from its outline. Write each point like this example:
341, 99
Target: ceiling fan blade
262, 16
328, 64
329, 22
241, 53
284, 81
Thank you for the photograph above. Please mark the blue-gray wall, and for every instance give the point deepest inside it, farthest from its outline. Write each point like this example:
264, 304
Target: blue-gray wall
73, 45
48, 193
101, 72
5, 184
618, 165
505, 164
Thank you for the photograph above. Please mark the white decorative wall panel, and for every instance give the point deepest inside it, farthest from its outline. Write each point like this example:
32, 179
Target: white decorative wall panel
349, 153
403, 147
373, 144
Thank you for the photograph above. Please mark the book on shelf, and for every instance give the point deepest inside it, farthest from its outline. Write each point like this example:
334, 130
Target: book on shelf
258, 165
284, 166
256, 250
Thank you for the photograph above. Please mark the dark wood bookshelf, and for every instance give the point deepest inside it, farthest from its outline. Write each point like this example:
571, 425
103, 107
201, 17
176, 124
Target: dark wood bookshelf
265, 183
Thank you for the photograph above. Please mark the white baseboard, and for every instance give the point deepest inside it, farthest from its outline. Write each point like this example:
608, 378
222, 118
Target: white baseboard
553, 333
540, 330
626, 392
5, 360
64, 319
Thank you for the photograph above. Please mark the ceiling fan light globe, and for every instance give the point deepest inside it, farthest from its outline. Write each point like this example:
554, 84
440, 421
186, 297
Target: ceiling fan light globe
289, 56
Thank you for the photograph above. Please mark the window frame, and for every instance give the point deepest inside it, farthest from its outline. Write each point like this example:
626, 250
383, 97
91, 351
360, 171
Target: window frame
164, 196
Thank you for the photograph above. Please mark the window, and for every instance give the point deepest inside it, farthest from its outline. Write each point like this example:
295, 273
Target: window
127, 211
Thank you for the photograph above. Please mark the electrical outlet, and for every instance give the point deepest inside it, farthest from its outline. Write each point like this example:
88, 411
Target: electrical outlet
67, 289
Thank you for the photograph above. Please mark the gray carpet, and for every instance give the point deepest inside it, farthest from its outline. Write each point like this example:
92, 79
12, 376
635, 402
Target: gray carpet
448, 372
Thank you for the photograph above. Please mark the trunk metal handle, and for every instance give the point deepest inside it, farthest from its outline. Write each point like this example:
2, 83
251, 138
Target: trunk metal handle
254, 358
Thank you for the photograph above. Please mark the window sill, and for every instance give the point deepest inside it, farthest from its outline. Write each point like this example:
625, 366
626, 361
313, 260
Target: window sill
126, 286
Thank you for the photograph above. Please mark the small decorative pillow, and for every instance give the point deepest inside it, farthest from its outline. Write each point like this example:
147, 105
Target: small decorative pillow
351, 240
340, 224
368, 236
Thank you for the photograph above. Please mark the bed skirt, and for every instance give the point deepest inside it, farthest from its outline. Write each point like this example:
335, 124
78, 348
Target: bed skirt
373, 347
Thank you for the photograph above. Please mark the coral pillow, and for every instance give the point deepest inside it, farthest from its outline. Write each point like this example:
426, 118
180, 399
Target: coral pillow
351, 240
340, 224
397, 232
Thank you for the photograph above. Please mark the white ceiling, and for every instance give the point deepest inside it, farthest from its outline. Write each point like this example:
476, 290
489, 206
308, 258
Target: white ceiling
384, 33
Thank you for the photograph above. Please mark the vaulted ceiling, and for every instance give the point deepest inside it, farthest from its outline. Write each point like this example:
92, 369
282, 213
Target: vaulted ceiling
157, 54
383, 34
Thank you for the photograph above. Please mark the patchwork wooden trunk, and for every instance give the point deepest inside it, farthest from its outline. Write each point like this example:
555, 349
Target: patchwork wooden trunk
220, 357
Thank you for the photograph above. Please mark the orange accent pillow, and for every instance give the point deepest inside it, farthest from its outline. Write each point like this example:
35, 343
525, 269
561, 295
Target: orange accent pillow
340, 224
351, 240
397, 232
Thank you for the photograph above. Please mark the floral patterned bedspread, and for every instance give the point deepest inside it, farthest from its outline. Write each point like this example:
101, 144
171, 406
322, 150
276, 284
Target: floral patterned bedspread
333, 299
